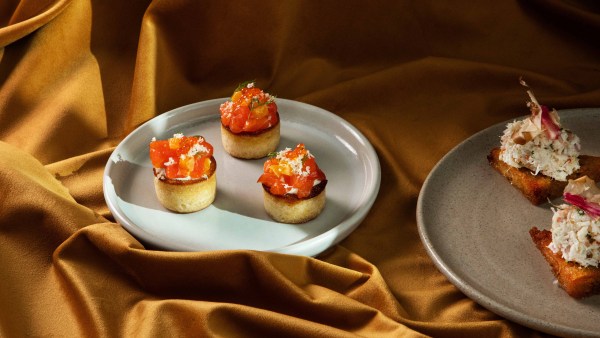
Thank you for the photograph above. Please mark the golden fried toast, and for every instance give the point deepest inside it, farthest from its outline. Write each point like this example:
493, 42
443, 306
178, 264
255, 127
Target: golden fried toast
536, 188
576, 280
540, 188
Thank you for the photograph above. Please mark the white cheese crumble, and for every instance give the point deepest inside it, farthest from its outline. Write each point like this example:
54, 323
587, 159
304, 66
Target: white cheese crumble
227, 107
197, 148
171, 161
576, 235
307, 171
294, 163
554, 158
189, 178
160, 173
290, 190
178, 135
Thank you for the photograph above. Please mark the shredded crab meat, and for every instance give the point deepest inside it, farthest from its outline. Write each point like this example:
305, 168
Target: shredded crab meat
540, 144
576, 225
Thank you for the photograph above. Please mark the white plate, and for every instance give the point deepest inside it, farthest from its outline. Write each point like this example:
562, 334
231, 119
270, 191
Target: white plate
475, 225
236, 219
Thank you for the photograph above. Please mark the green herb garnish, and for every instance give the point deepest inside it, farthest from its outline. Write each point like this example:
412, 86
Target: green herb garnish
242, 85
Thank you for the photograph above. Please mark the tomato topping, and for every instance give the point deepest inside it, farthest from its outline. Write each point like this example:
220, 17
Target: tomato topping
182, 156
292, 172
250, 109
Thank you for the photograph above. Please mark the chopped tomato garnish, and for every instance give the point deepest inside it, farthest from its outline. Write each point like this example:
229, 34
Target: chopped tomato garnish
182, 156
291, 172
250, 109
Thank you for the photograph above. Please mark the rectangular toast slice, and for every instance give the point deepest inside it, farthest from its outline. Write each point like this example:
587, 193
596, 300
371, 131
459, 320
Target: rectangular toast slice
576, 280
540, 188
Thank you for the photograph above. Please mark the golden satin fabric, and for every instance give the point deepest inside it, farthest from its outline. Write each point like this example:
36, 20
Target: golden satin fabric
416, 77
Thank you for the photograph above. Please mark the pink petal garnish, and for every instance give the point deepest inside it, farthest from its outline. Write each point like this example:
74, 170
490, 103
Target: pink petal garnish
590, 208
552, 129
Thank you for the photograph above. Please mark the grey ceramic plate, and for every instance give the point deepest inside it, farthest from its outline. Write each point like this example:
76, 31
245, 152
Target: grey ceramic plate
475, 225
237, 219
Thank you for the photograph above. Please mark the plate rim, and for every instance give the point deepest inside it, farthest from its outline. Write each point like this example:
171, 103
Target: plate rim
309, 247
469, 290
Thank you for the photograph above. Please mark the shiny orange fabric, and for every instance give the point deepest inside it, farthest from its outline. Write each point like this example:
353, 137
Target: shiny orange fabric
416, 77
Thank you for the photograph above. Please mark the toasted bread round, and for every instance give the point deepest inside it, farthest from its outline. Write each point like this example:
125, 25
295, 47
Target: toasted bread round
250, 145
291, 209
189, 195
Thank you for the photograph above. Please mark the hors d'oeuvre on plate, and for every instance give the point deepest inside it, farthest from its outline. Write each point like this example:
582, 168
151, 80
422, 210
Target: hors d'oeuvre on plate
184, 169
572, 247
537, 155
250, 127
293, 186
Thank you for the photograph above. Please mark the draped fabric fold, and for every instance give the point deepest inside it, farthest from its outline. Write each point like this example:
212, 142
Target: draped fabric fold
415, 77
17, 19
